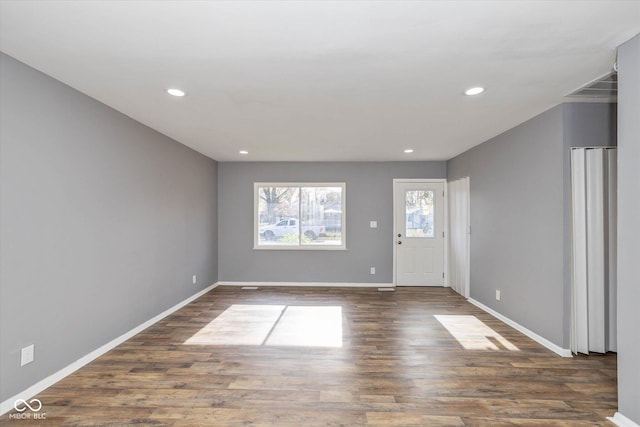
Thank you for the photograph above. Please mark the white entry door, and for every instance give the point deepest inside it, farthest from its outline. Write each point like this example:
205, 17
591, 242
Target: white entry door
419, 233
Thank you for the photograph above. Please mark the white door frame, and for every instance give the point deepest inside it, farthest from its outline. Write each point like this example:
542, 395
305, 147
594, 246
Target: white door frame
445, 226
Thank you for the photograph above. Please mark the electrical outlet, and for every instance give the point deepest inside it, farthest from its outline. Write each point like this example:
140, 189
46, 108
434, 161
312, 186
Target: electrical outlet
195, 279
373, 224
373, 270
498, 296
27, 354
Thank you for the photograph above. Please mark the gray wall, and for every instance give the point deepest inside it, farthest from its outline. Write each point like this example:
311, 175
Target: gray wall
629, 229
369, 188
584, 125
517, 222
103, 223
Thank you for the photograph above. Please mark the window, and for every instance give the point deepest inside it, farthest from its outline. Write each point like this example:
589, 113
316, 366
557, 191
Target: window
419, 213
299, 216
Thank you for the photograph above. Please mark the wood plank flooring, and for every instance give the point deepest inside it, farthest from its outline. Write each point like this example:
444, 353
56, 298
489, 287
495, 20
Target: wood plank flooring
414, 357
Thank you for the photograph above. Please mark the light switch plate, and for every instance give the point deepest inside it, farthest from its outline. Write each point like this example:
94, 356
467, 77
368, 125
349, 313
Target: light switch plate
26, 355
373, 224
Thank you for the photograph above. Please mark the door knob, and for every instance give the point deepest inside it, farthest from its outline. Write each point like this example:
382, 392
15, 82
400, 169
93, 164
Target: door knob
399, 235
399, 242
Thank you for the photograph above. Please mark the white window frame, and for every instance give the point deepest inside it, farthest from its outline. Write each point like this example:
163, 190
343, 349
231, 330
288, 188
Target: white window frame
301, 246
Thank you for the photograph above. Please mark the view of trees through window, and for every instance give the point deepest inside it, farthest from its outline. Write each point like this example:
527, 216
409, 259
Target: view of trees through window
300, 215
419, 213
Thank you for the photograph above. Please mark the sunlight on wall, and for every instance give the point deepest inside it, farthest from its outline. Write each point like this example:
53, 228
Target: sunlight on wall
473, 334
275, 325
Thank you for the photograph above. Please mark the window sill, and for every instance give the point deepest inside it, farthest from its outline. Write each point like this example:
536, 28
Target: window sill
299, 248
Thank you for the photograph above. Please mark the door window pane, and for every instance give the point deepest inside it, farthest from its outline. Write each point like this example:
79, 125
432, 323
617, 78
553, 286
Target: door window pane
419, 213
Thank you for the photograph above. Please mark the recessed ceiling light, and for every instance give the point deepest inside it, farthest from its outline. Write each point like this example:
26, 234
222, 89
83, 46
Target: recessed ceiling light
408, 150
175, 92
243, 152
474, 91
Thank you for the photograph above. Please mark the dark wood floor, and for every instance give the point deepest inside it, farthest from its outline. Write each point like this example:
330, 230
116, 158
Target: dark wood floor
414, 357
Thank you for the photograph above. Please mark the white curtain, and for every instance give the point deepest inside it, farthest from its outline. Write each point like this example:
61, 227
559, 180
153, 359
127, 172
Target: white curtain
459, 230
593, 264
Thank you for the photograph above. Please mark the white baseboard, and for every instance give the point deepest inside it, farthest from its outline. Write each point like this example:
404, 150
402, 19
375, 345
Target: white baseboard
622, 421
38, 387
564, 352
309, 284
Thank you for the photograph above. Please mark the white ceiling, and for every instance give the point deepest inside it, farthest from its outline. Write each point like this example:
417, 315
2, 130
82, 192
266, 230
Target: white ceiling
322, 80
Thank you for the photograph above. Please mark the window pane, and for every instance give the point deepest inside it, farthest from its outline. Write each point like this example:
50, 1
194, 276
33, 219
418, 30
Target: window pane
278, 208
321, 216
419, 213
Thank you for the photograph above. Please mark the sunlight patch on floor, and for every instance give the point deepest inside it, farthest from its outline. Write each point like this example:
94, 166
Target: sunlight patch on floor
473, 334
273, 325
309, 327
239, 325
